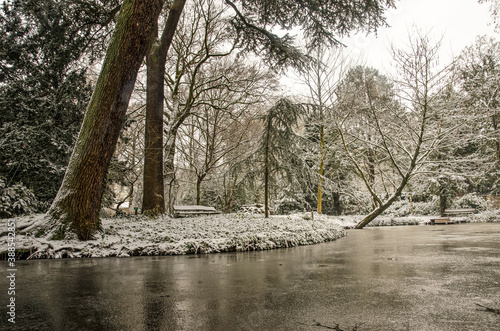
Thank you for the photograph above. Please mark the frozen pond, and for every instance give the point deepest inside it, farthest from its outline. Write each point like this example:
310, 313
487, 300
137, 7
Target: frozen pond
391, 278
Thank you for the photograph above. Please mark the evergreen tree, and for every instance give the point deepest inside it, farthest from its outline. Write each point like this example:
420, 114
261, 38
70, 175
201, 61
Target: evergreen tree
43, 89
280, 146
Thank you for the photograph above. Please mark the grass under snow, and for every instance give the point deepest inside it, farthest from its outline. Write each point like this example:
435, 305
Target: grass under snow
139, 235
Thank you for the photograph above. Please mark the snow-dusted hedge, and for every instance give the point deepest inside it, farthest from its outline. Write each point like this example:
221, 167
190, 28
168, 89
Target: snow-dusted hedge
138, 235
471, 200
401, 208
486, 216
16, 200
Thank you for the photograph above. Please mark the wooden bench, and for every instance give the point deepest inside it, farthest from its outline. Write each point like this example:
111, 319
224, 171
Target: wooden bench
194, 210
441, 220
447, 220
459, 211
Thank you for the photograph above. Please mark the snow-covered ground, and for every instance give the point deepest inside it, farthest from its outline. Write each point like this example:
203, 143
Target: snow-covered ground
140, 235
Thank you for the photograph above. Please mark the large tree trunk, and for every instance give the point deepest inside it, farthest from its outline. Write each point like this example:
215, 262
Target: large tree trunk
76, 206
153, 202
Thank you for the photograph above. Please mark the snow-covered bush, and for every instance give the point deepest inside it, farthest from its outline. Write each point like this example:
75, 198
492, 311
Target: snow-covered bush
286, 206
426, 207
358, 204
16, 200
487, 216
471, 200
399, 208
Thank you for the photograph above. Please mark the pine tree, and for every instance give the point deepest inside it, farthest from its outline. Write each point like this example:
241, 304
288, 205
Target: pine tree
280, 145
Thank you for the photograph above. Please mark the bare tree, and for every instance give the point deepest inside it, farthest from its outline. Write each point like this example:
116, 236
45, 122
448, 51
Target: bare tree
322, 78
199, 40
219, 125
402, 134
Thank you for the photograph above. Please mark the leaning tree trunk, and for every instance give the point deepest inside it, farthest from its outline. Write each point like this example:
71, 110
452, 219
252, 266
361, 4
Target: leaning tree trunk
379, 210
76, 206
381, 207
153, 202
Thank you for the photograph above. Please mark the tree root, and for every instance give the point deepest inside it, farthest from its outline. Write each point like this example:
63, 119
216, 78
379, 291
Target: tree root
488, 309
336, 327
48, 228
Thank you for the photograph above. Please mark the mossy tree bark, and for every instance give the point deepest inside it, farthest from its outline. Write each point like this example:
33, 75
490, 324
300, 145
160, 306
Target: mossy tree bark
76, 206
153, 202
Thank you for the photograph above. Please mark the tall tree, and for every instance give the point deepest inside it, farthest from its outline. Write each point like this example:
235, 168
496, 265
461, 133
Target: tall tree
252, 24
321, 79
280, 144
405, 132
478, 68
363, 94
77, 203
153, 202
478, 79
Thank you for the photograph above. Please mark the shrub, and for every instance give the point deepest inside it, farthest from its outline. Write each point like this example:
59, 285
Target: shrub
356, 204
399, 208
471, 200
427, 207
16, 200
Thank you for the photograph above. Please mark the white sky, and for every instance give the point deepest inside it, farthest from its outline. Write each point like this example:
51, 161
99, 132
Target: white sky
458, 22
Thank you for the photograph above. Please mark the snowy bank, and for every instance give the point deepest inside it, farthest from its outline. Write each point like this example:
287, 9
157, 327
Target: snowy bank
139, 235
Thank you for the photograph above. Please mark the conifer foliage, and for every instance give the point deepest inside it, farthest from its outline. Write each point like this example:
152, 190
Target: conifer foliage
43, 90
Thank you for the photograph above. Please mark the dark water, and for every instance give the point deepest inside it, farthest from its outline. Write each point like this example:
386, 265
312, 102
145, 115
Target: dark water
392, 278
